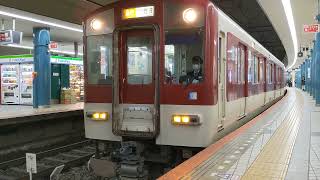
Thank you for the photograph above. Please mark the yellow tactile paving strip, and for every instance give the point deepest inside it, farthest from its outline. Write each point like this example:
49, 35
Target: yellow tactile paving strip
273, 161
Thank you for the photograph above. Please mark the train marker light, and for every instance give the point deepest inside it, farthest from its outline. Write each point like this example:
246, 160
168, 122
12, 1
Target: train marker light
177, 119
104, 116
96, 24
185, 119
95, 116
190, 120
190, 15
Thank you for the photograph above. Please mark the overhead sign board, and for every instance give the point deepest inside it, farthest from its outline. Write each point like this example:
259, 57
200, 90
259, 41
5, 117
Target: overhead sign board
10, 37
138, 12
313, 28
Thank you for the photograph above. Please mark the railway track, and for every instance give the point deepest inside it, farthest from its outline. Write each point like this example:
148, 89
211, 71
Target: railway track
70, 156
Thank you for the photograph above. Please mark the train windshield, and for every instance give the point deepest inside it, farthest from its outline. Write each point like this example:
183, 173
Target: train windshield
184, 57
184, 40
99, 60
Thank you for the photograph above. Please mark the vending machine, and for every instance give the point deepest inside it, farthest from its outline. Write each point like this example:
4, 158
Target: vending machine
10, 85
26, 86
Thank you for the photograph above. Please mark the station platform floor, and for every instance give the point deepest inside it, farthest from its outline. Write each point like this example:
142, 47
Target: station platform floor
281, 143
14, 111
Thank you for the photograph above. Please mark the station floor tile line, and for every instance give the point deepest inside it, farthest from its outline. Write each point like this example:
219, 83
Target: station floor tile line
238, 169
273, 161
268, 126
300, 167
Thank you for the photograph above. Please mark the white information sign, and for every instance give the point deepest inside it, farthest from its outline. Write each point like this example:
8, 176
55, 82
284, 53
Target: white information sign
31, 162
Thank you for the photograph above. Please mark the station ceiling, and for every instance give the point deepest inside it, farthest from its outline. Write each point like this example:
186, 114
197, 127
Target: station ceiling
247, 13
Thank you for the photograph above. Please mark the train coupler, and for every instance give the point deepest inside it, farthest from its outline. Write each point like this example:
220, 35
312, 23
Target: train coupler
132, 162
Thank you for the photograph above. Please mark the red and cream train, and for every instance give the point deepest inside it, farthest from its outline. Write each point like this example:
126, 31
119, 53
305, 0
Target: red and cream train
138, 59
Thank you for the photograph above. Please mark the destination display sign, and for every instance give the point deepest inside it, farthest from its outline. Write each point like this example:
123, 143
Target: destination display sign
138, 12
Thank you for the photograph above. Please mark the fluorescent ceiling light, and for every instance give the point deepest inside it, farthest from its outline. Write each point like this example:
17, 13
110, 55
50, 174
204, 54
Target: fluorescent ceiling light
40, 21
52, 50
288, 10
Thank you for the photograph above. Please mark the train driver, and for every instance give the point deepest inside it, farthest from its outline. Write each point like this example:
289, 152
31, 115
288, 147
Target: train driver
196, 75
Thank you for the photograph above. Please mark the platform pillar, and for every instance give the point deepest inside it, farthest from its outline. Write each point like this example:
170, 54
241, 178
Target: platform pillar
42, 68
308, 75
312, 74
303, 73
298, 78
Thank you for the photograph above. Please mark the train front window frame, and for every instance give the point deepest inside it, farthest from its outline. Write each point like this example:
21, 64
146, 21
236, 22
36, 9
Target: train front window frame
99, 59
184, 45
180, 54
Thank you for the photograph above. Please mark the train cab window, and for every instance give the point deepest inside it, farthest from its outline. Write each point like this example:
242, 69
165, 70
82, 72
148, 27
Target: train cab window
184, 62
99, 59
184, 43
139, 60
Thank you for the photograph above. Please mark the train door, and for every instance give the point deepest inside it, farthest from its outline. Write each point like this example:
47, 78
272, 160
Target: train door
241, 79
222, 78
135, 94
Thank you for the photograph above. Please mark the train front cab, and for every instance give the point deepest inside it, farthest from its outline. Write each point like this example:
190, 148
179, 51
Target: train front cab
139, 59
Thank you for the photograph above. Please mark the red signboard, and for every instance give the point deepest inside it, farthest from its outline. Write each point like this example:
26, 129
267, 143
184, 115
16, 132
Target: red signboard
313, 28
53, 45
5, 37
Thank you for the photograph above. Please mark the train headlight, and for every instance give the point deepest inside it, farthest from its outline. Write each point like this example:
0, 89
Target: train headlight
98, 116
185, 119
96, 24
190, 15
177, 119
191, 120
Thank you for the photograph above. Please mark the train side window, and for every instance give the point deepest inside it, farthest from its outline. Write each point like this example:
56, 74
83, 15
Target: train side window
99, 59
255, 69
238, 65
261, 74
250, 67
269, 73
242, 64
273, 79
